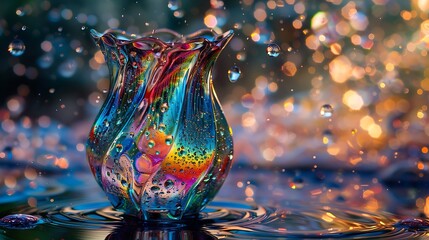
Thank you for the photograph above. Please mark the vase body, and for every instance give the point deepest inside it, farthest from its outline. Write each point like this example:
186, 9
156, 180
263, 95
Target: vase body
160, 146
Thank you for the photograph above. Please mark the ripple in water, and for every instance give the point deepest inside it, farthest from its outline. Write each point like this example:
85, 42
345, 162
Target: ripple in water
236, 220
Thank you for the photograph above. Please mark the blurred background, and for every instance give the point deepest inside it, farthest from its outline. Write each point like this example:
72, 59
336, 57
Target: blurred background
348, 83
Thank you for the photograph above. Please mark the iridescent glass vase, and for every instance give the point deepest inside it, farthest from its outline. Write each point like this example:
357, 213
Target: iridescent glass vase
160, 146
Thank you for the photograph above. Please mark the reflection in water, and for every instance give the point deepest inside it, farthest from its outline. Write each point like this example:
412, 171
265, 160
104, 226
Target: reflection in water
295, 204
235, 220
160, 231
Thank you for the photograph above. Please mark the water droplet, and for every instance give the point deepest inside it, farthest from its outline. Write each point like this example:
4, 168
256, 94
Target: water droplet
24, 28
297, 183
45, 61
273, 50
151, 144
173, 5
106, 123
327, 137
119, 147
154, 188
124, 183
326, 111
168, 184
83, 28
60, 29
161, 127
169, 140
413, 224
20, 12
68, 68
164, 107
234, 73
182, 153
20, 221
16, 47
354, 131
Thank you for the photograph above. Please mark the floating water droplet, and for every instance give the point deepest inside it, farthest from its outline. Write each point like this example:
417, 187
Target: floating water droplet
151, 144
173, 5
168, 140
168, 184
296, 183
119, 147
326, 111
327, 137
45, 61
24, 28
16, 47
68, 68
20, 12
19, 221
273, 50
60, 29
83, 28
234, 73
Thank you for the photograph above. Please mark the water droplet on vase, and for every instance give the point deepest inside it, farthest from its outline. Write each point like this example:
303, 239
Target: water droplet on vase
16, 47
168, 140
124, 183
106, 123
151, 144
168, 184
182, 153
19, 221
119, 147
164, 107
234, 73
161, 127
154, 188
326, 111
273, 50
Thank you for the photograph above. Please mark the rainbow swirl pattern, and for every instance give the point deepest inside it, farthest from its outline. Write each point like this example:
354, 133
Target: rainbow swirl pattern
160, 146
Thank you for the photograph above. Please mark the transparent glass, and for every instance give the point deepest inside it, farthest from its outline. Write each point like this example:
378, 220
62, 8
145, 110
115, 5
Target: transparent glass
160, 146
